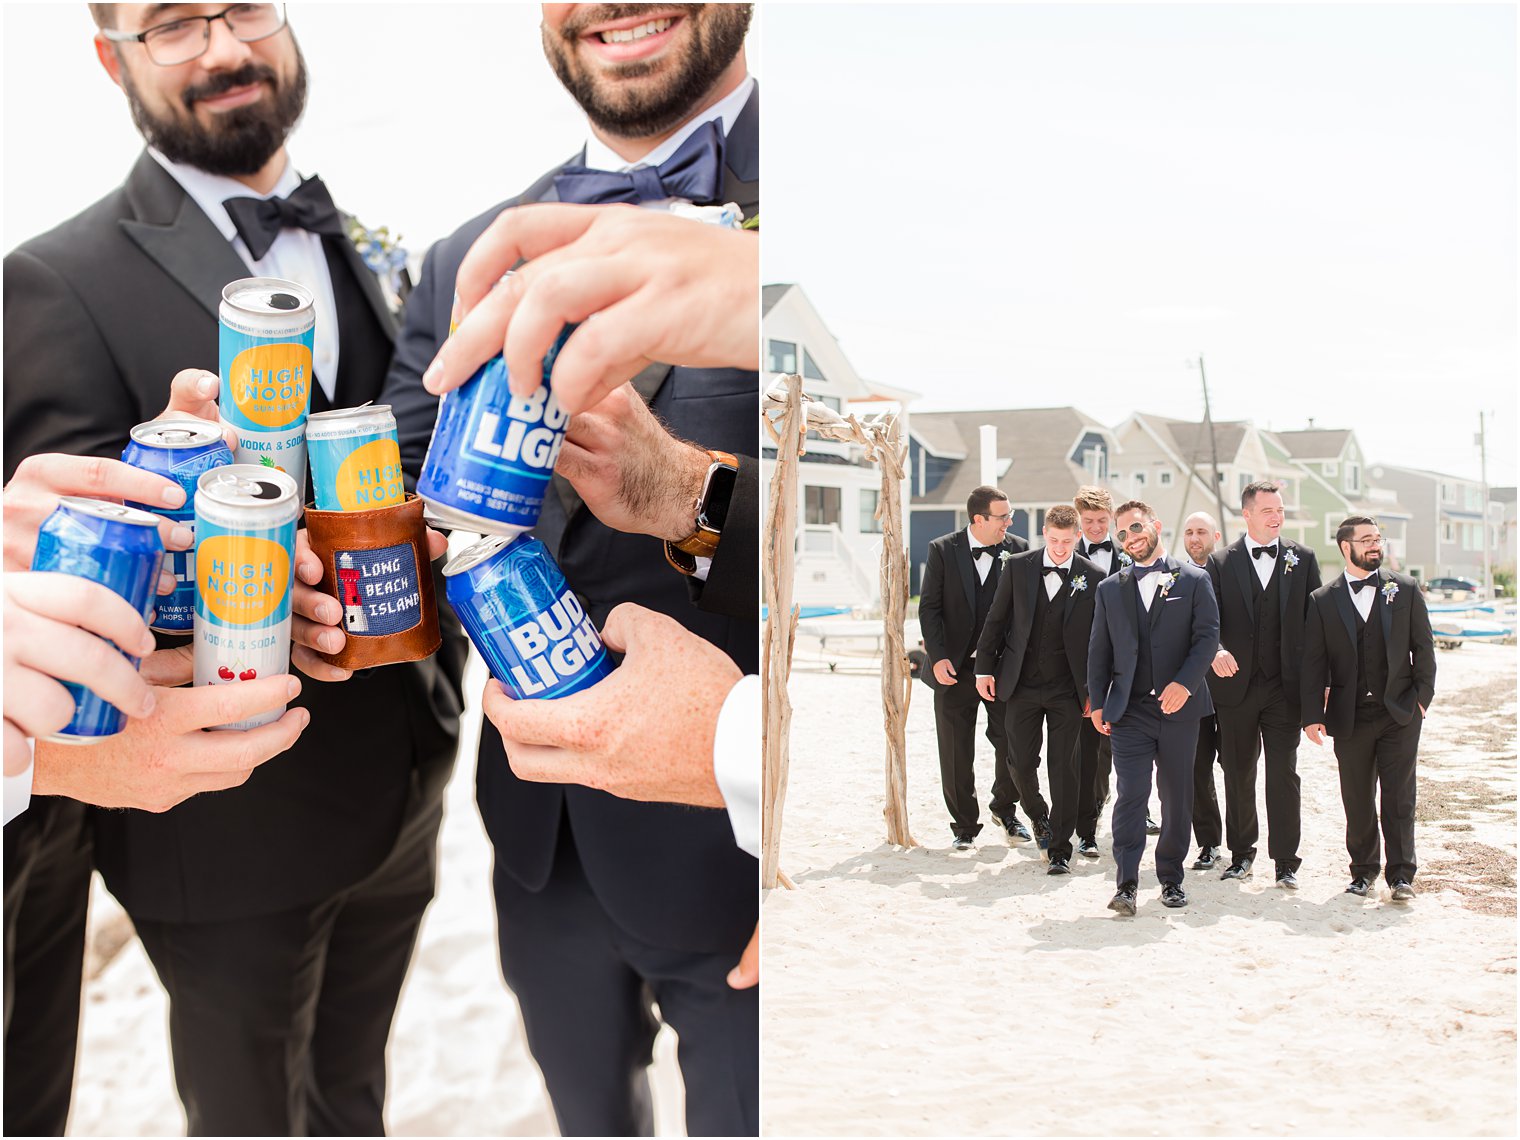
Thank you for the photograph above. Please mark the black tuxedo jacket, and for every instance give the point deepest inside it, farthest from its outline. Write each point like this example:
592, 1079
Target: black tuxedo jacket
1010, 621
947, 602
1184, 631
1115, 564
1331, 651
671, 875
100, 313
1234, 580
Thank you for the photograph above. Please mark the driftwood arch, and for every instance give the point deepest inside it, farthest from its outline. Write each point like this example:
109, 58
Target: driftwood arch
881, 436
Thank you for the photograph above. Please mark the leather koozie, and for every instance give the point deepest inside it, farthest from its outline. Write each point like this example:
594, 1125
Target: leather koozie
375, 563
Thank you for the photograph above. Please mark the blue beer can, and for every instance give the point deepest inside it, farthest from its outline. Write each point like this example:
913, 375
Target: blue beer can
355, 459
524, 619
118, 547
182, 450
492, 454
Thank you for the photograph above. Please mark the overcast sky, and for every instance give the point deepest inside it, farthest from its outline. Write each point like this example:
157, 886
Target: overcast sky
1032, 206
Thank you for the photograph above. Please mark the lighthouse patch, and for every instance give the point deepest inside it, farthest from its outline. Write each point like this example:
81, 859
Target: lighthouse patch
378, 590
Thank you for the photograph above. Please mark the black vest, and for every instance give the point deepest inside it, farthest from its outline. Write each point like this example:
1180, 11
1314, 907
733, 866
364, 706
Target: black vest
1145, 674
984, 594
1371, 659
1268, 652
1045, 655
364, 352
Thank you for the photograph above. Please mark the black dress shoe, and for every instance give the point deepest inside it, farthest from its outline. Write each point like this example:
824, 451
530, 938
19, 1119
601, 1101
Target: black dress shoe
1017, 830
1240, 869
961, 843
1173, 895
1087, 849
1151, 826
1403, 890
1042, 832
1359, 886
1123, 901
1058, 866
1287, 878
1207, 857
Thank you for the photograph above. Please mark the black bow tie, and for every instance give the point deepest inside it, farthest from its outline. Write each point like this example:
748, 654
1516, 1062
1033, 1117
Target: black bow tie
260, 220
1270, 551
1142, 571
980, 551
1356, 586
1104, 545
1062, 571
694, 172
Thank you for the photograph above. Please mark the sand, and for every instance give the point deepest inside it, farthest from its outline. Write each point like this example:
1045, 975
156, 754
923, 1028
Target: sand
932, 992
459, 1063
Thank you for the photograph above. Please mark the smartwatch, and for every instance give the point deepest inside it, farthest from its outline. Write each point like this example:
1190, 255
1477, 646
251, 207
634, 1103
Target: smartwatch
711, 510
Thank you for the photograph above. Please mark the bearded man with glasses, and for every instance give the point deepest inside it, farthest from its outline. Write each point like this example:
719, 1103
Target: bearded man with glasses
279, 915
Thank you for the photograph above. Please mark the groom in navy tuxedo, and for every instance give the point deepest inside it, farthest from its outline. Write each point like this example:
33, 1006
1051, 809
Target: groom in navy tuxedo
1155, 630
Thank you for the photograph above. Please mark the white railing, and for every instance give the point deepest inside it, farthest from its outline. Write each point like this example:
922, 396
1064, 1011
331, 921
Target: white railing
827, 540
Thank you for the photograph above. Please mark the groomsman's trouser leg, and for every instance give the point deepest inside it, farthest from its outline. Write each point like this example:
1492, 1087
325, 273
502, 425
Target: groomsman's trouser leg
1177, 745
1379, 754
278, 1024
1025, 722
955, 710
1264, 718
1063, 720
1094, 750
585, 987
47, 892
1206, 821
1143, 737
1005, 787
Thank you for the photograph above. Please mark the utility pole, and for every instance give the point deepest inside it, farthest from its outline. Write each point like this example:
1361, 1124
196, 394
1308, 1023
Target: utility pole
1208, 426
1488, 568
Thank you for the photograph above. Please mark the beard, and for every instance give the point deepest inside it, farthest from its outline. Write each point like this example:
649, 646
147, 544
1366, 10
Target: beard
237, 143
1368, 560
636, 110
1202, 551
1152, 540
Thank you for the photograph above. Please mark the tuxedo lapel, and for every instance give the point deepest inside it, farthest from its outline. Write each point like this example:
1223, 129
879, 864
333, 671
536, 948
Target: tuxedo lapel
1383, 604
741, 159
1284, 585
172, 230
1244, 572
960, 546
1036, 571
1347, 609
369, 285
1157, 598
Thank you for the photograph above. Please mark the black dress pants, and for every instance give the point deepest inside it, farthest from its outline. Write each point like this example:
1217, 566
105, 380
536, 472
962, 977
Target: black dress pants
1094, 761
586, 986
1054, 708
955, 710
1263, 720
1379, 756
47, 895
1207, 827
278, 1023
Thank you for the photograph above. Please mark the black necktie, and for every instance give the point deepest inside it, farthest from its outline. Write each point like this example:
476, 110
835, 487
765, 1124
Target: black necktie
694, 172
1104, 545
980, 551
1258, 551
1059, 571
1356, 586
260, 220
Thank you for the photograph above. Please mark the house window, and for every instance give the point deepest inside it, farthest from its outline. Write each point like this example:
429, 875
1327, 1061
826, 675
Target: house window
1139, 480
833, 403
1448, 493
781, 356
810, 367
869, 523
1448, 532
820, 506
1166, 478
1243, 478
1331, 526
1329, 467
1353, 478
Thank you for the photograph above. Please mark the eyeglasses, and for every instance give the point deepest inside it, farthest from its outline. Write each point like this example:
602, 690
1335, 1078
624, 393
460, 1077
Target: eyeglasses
1369, 540
1001, 518
180, 41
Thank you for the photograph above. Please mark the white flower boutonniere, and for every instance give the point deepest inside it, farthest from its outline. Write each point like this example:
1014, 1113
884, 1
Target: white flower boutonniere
386, 258
1124, 558
728, 216
1290, 560
1005, 556
1390, 591
1079, 583
1168, 581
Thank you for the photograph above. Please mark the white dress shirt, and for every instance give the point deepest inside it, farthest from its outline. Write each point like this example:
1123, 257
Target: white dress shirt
1262, 566
1149, 584
18, 790
736, 761
983, 565
1052, 582
1103, 558
1361, 599
296, 254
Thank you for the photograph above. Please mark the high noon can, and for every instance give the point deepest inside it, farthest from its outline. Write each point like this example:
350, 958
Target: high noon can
120, 548
524, 619
355, 459
181, 450
268, 330
492, 453
245, 540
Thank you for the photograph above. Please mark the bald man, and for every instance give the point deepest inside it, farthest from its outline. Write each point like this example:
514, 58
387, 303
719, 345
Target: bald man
1200, 535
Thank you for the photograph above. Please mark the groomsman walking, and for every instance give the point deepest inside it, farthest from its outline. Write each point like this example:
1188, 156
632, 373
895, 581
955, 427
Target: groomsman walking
1368, 678
960, 581
1155, 629
1200, 536
1032, 659
1263, 582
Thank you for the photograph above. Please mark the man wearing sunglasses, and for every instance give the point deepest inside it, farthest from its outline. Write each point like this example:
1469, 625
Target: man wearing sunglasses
960, 581
280, 915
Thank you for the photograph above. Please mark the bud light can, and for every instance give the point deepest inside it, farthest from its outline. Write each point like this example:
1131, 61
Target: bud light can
268, 332
181, 450
492, 454
355, 459
120, 548
245, 541
524, 619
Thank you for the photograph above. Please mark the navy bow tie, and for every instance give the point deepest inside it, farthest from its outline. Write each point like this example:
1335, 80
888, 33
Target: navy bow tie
1356, 587
1142, 571
1258, 551
1104, 545
260, 220
694, 172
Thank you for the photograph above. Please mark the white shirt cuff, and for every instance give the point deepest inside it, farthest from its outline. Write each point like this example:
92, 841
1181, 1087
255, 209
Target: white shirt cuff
736, 761
18, 790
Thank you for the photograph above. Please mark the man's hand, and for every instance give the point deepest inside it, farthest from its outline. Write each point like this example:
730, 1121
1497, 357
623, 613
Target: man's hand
644, 733
633, 474
1315, 732
1096, 716
944, 672
1224, 664
40, 480
647, 286
165, 758
54, 630
986, 688
193, 392
1173, 697
747, 972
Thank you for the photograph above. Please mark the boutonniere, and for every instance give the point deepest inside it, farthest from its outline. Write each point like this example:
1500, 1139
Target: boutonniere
1079, 583
727, 216
1124, 558
386, 258
1005, 556
1168, 581
1290, 560
1390, 591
